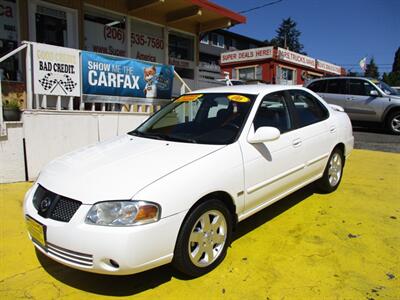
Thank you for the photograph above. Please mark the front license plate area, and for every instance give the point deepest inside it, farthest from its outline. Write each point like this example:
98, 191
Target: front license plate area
36, 230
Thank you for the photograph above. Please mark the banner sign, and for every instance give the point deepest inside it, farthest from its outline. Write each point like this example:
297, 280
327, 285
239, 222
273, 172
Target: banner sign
244, 55
124, 77
328, 67
56, 70
8, 21
296, 58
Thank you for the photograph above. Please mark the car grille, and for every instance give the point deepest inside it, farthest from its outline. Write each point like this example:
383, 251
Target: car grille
68, 256
54, 206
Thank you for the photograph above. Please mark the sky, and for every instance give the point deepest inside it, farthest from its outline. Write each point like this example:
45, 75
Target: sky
338, 31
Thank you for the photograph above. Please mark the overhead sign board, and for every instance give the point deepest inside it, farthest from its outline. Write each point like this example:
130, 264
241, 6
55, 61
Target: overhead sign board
328, 67
124, 77
296, 58
247, 55
56, 70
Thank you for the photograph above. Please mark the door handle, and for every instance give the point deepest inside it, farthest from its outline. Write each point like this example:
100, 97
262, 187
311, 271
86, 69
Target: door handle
296, 143
350, 98
332, 129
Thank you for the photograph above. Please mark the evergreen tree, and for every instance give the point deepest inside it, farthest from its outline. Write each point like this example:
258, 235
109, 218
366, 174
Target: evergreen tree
393, 78
287, 36
396, 62
372, 69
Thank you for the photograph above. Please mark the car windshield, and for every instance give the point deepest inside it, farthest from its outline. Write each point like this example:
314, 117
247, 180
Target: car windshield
386, 88
209, 118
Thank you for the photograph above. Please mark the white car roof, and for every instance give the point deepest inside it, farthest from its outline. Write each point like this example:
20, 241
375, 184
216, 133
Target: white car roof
253, 89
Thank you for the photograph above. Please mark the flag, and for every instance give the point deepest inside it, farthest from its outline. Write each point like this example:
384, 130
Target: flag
363, 64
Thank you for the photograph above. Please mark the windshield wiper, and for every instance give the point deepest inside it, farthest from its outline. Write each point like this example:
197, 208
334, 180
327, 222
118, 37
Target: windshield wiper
179, 139
162, 136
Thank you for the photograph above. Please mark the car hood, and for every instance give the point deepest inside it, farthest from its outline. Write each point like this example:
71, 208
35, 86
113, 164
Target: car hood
119, 168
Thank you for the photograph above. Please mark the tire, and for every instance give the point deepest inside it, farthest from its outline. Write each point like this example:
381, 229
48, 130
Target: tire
393, 122
333, 172
203, 239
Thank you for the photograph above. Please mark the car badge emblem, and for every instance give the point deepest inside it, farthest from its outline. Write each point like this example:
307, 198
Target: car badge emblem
45, 204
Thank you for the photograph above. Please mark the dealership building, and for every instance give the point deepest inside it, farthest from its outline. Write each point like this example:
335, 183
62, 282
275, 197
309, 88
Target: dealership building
162, 31
276, 65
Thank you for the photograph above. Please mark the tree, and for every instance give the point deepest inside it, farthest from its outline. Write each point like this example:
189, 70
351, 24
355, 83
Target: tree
393, 78
372, 69
287, 36
396, 62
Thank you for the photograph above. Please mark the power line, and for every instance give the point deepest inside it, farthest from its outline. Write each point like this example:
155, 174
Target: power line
358, 64
261, 6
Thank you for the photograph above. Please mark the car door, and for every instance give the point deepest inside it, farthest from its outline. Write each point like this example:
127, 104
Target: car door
316, 129
274, 167
334, 92
360, 104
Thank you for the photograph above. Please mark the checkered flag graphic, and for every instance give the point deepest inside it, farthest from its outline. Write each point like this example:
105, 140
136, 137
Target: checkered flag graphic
68, 83
46, 83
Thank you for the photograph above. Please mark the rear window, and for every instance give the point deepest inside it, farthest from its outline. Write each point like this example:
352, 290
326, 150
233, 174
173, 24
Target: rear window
317, 86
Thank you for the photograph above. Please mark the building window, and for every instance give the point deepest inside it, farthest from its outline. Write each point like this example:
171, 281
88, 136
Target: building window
181, 46
9, 39
230, 44
250, 73
53, 24
105, 33
181, 54
205, 39
217, 40
286, 76
147, 42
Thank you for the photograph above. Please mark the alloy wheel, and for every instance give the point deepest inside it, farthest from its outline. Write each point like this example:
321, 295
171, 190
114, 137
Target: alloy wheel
395, 123
335, 169
207, 238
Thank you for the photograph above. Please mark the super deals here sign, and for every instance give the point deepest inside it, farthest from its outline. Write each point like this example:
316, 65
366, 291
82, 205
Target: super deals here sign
56, 71
118, 76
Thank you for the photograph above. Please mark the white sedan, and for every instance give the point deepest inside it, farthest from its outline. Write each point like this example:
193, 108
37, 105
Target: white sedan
173, 189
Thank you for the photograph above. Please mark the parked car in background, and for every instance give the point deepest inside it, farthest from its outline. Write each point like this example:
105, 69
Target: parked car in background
173, 189
363, 99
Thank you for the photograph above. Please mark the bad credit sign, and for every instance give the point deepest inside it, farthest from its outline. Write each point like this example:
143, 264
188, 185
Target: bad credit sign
245, 55
56, 71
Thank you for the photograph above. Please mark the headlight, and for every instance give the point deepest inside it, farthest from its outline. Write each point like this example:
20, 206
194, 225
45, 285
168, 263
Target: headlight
123, 213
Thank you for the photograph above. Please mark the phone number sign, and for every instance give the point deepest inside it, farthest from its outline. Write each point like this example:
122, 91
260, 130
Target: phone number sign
147, 47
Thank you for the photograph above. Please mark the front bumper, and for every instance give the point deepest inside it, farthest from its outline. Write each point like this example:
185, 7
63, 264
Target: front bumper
106, 249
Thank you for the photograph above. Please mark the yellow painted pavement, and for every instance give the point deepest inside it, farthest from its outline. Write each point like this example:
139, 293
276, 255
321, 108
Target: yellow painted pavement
344, 245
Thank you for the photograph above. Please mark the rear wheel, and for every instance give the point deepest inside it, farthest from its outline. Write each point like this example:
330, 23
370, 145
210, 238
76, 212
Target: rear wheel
333, 172
203, 239
393, 122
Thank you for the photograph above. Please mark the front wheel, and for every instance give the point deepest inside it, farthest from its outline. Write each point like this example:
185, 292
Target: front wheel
203, 239
393, 122
333, 172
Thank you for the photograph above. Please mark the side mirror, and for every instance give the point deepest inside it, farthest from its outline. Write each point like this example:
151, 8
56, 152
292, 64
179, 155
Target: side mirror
374, 93
264, 134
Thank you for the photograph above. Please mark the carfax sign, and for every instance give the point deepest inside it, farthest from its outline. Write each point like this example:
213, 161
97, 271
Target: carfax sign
56, 71
124, 77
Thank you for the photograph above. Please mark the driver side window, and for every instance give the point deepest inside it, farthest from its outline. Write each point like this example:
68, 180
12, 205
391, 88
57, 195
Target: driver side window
273, 112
